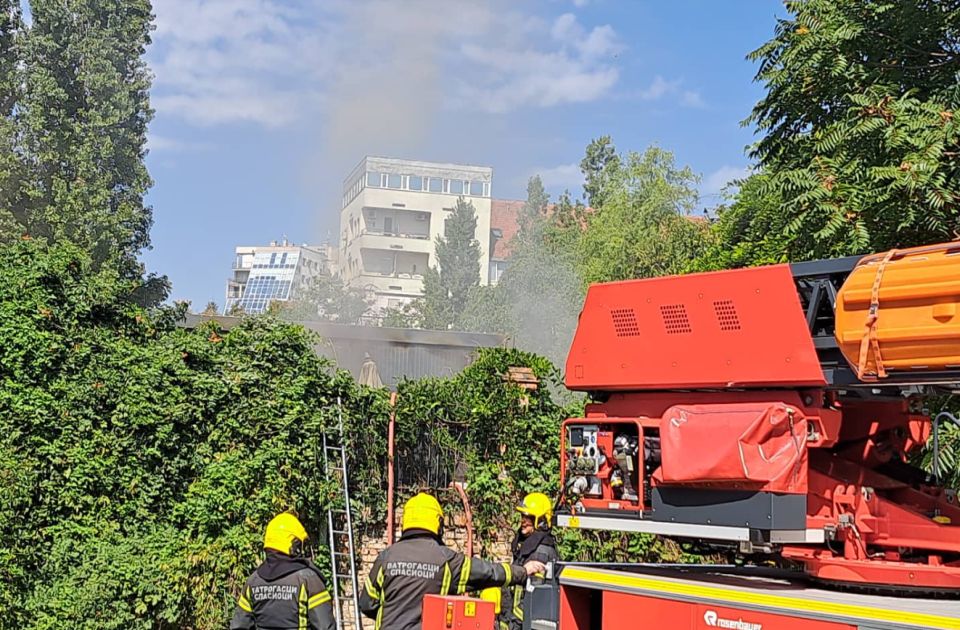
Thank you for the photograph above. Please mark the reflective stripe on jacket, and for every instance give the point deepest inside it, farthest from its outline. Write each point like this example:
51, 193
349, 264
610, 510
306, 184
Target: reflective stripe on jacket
417, 565
284, 594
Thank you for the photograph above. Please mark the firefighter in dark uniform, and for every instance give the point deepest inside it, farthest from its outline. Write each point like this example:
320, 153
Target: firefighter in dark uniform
533, 541
286, 592
419, 564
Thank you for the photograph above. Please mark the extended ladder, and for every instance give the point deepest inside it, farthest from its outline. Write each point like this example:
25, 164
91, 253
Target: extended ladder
340, 528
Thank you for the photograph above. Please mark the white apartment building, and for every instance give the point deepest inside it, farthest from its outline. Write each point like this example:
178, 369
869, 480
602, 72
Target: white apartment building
391, 214
272, 273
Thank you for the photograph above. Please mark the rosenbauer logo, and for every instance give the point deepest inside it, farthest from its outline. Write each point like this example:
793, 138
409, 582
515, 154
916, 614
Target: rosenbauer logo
712, 619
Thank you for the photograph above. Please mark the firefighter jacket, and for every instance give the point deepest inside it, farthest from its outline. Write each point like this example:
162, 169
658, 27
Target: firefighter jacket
540, 546
284, 593
419, 564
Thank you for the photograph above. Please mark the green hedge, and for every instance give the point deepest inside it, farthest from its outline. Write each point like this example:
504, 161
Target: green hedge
139, 461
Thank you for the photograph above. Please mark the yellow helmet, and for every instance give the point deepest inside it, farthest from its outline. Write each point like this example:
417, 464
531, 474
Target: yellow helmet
538, 506
285, 534
422, 511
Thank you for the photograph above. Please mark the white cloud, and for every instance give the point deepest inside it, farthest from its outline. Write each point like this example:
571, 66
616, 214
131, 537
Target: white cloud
564, 176
661, 88
521, 75
714, 183
219, 61
273, 62
692, 98
156, 142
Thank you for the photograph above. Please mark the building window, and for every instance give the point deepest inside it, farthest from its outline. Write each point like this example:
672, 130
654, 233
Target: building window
476, 189
393, 181
456, 187
415, 182
436, 184
373, 179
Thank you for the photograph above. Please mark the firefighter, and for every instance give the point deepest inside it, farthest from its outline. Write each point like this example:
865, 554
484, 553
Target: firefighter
286, 591
533, 541
419, 564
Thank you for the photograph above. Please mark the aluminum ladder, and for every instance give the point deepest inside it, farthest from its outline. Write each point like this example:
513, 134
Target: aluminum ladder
343, 567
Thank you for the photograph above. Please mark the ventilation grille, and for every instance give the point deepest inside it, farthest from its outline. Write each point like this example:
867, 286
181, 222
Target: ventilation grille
625, 322
726, 315
675, 319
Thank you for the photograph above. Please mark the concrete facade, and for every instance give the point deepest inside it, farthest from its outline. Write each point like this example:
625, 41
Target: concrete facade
392, 213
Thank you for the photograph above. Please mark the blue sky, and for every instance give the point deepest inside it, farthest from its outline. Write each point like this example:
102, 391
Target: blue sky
263, 106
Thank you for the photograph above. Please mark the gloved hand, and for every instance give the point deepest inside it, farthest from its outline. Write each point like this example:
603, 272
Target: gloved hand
533, 567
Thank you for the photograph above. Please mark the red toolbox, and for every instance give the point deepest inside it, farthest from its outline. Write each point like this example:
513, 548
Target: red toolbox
461, 613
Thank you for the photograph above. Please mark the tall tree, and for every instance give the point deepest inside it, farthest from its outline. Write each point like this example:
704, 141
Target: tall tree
535, 206
81, 122
11, 167
860, 134
643, 227
600, 154
538, 299
448, 284
327, 298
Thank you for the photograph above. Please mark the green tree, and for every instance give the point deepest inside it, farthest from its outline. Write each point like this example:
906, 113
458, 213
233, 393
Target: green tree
535, 207
748, 231
600, 160
447, 286
11, 167
860, 137
79, 95
327, 298
538, 298
643, 228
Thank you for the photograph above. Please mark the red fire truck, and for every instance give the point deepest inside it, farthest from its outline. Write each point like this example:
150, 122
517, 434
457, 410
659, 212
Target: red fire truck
777, 411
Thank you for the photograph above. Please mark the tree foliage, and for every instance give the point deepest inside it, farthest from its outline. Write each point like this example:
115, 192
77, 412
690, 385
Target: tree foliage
643, 226
599, 162
539, 296
144, 459
327, 298
747, 232
860, 139
75, 107
448, 284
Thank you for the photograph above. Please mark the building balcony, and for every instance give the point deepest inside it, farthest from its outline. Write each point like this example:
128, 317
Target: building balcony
393, 242
400, 283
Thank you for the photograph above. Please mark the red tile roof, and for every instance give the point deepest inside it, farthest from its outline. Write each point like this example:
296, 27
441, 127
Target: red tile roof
504, 216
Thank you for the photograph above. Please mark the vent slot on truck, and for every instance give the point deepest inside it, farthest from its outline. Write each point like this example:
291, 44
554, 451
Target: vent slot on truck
675, 319
625, 322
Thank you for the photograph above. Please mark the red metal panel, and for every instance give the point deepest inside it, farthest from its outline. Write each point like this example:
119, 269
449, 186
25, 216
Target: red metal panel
460, 613
575, 608
741, 328
621, 610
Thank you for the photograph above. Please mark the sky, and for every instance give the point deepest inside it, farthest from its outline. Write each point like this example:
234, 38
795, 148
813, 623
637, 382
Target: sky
264, 106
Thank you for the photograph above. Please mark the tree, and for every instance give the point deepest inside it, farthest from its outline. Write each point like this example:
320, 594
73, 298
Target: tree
747, 232
80, 109
11, 167
600, 156
860, 137
327, 298
211, 309
643, 228
447, 286
535, 207
538, 298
